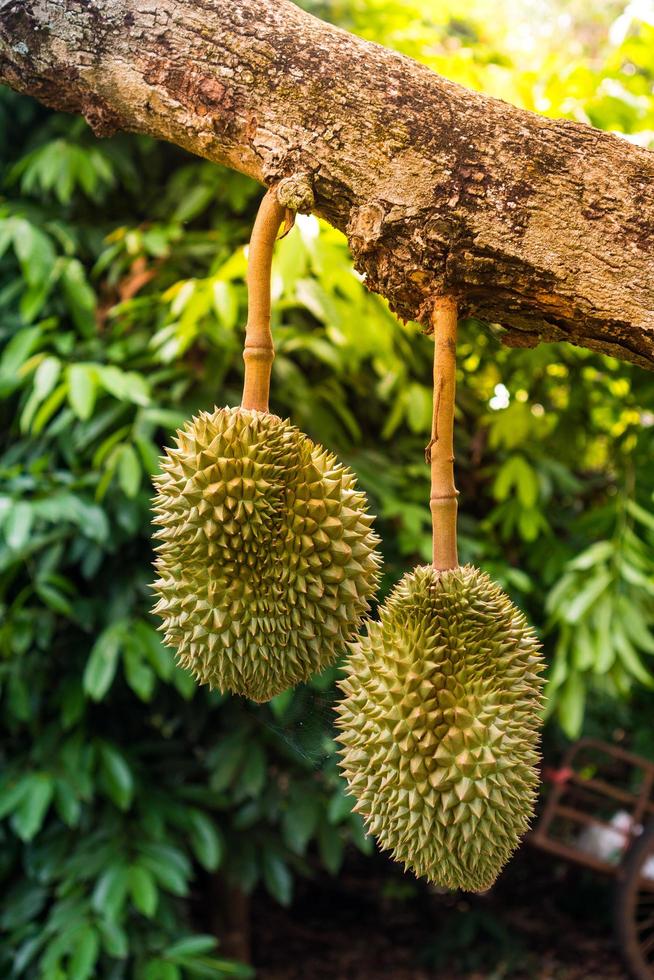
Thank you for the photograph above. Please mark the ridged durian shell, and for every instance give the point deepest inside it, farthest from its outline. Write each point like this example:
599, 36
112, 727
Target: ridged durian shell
440, 726
267, 556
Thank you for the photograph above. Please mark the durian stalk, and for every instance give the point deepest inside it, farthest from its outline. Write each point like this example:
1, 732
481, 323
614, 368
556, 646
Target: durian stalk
259, 351
443, 498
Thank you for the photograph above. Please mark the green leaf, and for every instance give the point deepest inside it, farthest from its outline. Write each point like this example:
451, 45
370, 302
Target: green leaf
580, 603
139, 675
340, 807
16, 352
153, 648
211, 967
191, 946
81, 390
129, 471
118, 778
170, 866
184, 682
571, 703
277, 878
22, 904
645, 517
419, 408
360, 837
11, 794
46, 376
114, 939
206, 840
331, 846
299, 820
18, 524
79, 296
101, 666
34, 251
598, 552
517, 473
72, 508
110, 892
309, 292
225, 300
26, 953
281, 702
253, 773
585, 653
48, 408
54, 599
143, 889
18, 698
530, 522
150, 454
630, 659
603, 614
85, 954
635, 577
103, 451
226, 759
67, 803
169, 877
124, 385
161, 970
637, 629
34, 298
195, 201
30, 813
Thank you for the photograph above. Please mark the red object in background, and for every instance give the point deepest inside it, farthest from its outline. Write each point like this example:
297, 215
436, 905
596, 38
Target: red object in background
558, 776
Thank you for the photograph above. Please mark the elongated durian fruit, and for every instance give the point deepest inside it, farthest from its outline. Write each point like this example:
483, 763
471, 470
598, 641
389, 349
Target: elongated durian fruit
440, 720
266, 556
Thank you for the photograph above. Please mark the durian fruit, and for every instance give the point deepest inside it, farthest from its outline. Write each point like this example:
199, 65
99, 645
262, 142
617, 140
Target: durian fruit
266, 558
439, 726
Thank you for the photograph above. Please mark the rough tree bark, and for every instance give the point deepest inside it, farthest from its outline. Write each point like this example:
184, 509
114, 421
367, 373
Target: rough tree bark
544, 226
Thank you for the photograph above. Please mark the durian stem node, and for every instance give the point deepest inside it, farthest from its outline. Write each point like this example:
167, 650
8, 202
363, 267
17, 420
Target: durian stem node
265, 354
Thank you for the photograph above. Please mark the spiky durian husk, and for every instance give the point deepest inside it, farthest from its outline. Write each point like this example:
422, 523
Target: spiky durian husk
440, 726
267, 556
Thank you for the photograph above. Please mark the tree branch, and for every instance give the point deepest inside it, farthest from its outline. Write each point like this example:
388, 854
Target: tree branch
544, 226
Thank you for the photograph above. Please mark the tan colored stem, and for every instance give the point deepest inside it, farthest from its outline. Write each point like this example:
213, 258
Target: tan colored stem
443, 499
259, 352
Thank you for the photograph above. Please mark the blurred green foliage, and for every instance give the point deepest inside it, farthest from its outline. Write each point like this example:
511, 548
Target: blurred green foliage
124, 790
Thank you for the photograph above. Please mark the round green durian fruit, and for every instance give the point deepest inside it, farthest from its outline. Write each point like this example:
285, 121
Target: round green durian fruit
439, 726
266, 558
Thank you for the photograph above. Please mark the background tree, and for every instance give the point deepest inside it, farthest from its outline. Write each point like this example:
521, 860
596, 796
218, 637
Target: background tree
130, 801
